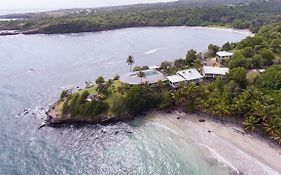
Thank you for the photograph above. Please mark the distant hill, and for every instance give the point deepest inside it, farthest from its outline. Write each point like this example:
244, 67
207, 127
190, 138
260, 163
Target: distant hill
228, 13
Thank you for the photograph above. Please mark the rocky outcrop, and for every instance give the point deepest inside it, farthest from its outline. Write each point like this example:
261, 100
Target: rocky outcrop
55, 120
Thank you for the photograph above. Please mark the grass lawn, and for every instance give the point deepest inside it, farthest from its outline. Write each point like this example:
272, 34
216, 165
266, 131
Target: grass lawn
92, 90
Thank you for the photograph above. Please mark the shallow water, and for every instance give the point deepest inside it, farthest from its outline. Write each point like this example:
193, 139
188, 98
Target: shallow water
35, 68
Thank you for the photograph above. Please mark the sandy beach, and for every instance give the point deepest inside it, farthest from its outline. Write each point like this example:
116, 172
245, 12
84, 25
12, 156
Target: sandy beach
247, 154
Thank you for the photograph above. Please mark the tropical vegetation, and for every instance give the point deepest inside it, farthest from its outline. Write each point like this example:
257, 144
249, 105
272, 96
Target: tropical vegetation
256, 103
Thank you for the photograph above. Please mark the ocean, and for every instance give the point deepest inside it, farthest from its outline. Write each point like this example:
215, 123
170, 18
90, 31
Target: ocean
36, 68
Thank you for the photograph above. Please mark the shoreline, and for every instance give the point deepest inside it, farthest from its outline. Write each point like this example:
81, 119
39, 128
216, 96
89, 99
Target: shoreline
228, 143
54, 119
246, 32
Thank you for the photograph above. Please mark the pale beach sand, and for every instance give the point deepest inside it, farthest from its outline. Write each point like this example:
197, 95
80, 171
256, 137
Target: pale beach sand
227, 143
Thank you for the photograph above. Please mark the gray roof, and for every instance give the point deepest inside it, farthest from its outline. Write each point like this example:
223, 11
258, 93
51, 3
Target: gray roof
215, 70
190, 74
175, 78
224, 54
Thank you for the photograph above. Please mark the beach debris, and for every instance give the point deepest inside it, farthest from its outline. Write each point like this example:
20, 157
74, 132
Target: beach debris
239, 131
178, 118
116, 132
202, 120
129, 132
209, 131
43, 125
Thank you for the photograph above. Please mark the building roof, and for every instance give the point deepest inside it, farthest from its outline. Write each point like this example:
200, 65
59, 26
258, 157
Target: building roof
190, 74
215, 70
224, 54
154, 67
151, 76
175, 78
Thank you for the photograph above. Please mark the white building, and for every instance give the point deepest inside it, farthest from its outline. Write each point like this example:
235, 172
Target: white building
191, 75
175, 80
222, 55
155, 67
214, 72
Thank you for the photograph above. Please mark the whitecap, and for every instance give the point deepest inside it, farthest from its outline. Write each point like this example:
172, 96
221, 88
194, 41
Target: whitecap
152, 51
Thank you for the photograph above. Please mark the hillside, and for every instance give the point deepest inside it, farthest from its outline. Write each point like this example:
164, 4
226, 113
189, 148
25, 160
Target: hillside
183, 13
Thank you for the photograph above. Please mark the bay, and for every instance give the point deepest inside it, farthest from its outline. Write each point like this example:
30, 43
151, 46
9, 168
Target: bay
36, 68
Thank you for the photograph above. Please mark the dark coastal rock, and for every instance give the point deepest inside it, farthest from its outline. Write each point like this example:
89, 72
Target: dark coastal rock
25, 111
60, 121
8, 33
169, 111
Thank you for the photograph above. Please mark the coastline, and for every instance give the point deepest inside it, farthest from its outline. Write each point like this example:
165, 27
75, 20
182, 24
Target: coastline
55, 119
220, 28
228, 143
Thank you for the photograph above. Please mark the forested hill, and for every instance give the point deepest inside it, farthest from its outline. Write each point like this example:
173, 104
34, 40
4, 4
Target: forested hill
230, 13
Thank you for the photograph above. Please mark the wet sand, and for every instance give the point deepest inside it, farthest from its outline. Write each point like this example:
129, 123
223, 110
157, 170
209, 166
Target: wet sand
230, 144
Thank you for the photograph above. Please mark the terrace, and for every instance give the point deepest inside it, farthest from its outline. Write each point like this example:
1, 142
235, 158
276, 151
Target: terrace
151, 77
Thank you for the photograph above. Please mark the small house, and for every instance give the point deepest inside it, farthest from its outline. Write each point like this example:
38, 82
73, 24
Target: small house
210, 72
223, 55
175, 80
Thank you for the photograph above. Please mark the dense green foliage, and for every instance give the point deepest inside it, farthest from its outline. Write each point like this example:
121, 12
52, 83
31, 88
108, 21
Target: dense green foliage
259, 51
252, 15
270, 79
100, 80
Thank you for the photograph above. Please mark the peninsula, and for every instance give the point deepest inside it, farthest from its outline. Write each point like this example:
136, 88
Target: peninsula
239, 80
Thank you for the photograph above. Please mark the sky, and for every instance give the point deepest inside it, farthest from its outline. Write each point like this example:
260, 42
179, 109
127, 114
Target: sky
58, 4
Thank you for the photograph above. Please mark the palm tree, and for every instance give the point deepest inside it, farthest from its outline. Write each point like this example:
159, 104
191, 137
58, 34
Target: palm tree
251, 122
221, 108
272, 124
130, 61
141, 75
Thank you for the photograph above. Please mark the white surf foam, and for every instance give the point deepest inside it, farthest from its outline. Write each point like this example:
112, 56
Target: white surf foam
152, 51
